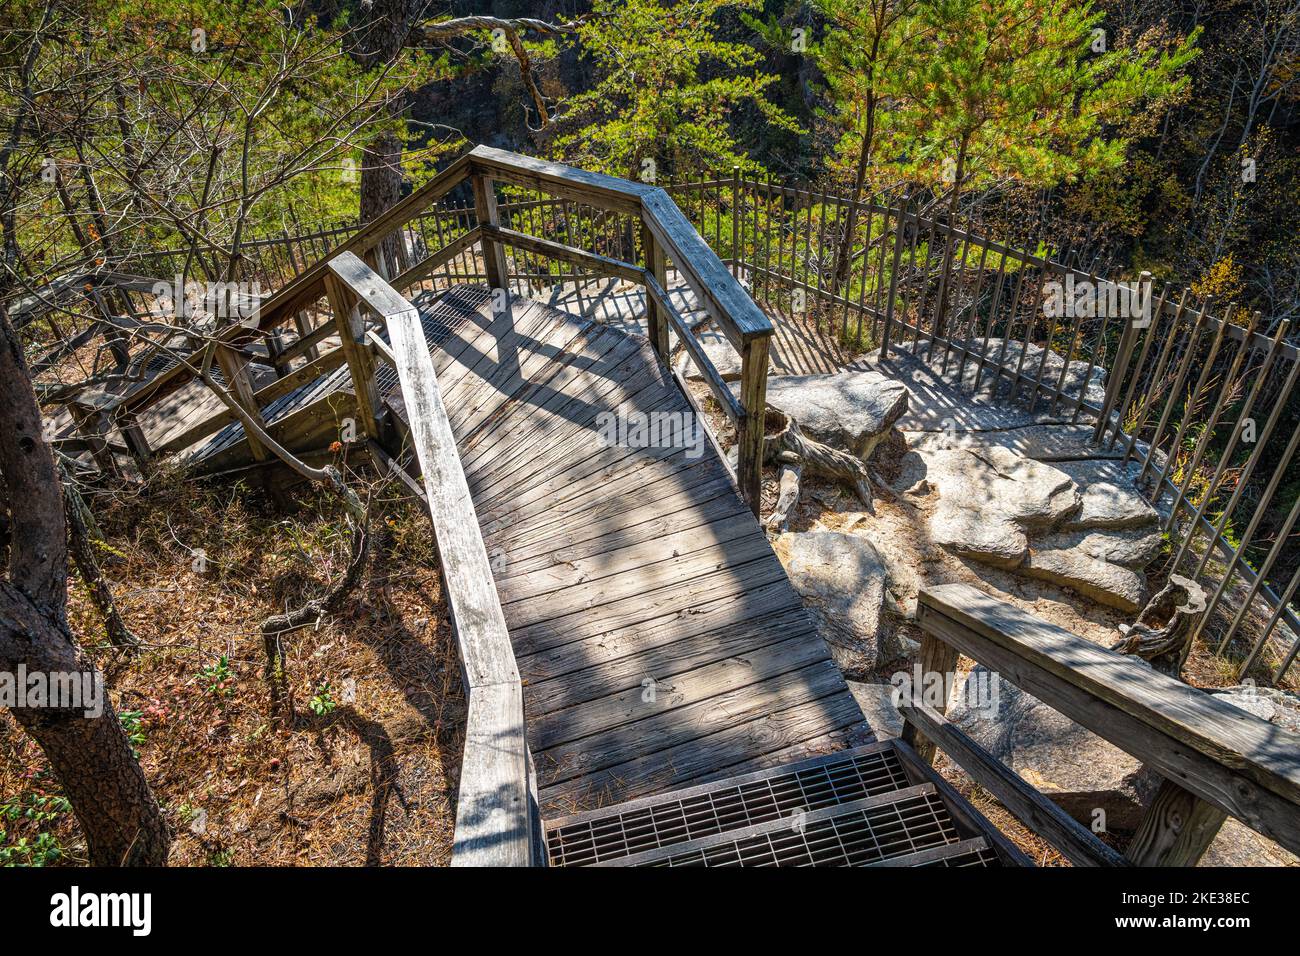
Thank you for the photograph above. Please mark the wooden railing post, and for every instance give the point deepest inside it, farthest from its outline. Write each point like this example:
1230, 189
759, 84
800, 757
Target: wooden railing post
302, 323
656, 321
136, 442
494, 254
939, 658
92, 425
1176, 829
352, 331
753, 396
235, 369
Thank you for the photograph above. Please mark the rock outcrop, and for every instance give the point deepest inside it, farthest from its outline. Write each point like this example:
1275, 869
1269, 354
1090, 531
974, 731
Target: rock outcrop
1080, 771
842, 580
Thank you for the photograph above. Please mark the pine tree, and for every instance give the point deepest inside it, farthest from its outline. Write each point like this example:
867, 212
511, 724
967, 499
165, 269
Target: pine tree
668, 90
1023, 90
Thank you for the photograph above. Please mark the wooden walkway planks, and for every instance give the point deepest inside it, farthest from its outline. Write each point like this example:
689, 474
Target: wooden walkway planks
658, 638
657, 635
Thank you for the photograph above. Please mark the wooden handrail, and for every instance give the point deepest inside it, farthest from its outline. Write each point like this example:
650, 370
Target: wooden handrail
495, 817
1216, 759
666, 235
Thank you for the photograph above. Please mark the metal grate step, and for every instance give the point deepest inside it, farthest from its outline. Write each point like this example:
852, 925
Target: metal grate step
889, 826
855, 807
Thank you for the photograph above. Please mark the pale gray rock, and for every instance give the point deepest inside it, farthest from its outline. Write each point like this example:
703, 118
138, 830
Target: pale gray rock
1133, 548
1110, 584
1053, 443
720, 352
995, 353
991, 499
1111, 498
842, 580
1279, 707
877, 703
1077, 769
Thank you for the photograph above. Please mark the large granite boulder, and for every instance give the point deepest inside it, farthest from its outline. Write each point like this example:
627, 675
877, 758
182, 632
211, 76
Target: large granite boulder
720, 352
996, 352
1080, 523
850, 410
991, 499
1073, 766
1111, 498
842, 580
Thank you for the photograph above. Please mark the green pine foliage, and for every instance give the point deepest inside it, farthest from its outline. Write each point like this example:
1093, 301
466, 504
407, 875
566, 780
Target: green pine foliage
670, 93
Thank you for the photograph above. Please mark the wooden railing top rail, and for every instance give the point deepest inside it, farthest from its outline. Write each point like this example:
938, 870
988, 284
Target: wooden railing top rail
722, 295
493, 812
1233, 760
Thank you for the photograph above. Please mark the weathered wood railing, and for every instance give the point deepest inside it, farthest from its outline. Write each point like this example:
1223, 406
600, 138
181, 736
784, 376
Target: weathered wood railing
1214, 759
496, 812
904, 274
664, 236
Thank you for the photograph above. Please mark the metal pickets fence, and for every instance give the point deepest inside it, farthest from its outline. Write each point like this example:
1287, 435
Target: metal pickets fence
1186, 383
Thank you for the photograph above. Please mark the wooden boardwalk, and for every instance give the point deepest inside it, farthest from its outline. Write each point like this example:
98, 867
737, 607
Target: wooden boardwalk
658, 638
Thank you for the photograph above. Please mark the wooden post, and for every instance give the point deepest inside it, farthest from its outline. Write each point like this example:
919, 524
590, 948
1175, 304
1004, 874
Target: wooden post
753, 396
136, 442
494, 255
655, 318
235, 370
92, 425
352, 332
1176, 830
303, 324
940, 658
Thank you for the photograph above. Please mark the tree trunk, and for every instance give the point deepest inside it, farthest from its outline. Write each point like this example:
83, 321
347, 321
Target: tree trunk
381, 188
941, 314
859, 176
382, 30
90, 754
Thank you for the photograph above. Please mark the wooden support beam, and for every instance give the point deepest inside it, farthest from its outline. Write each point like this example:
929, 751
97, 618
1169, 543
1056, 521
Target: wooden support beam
136, 443
350, 324
494, 254
657, 268
753, 396
1032, 808
937, 659
235, 370
1226, 757
92, 424
301, 322
1176, 829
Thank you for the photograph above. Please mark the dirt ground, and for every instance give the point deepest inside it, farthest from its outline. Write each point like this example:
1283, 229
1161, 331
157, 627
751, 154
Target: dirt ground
365, 772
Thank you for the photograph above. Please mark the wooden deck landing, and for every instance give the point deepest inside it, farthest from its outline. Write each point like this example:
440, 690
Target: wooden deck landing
658, 638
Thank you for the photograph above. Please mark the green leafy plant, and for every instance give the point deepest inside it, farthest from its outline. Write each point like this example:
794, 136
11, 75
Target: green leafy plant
322, 701
32, 811
132, 722
218, 679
